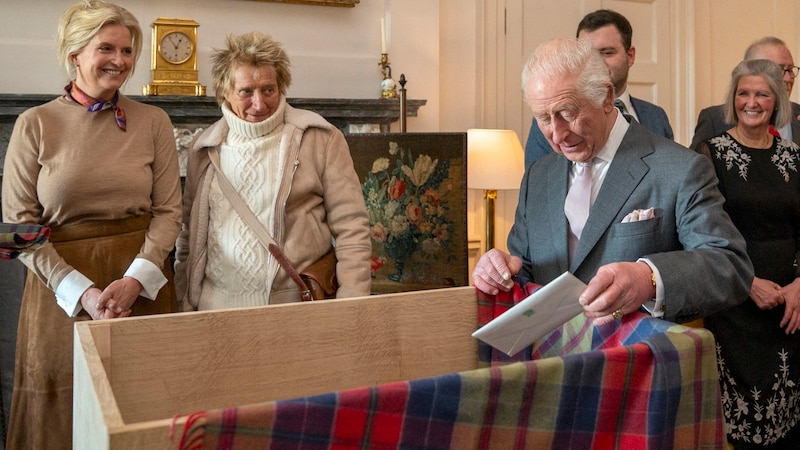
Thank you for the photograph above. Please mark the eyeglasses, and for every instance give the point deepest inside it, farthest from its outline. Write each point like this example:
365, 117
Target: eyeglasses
793, 70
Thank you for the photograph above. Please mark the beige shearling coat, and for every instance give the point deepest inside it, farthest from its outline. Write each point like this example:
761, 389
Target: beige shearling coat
319, 198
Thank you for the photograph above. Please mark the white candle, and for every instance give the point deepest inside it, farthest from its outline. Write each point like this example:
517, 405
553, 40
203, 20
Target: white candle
383, 35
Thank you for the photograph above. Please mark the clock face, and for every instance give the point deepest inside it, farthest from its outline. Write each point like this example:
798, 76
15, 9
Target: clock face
176, 47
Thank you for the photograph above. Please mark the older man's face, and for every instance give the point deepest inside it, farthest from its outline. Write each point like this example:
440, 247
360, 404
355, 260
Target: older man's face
571, 124
255, 94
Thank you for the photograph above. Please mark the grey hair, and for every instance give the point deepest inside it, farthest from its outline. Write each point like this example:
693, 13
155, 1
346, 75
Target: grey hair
754, 50
773, 74
565, 57
249, 49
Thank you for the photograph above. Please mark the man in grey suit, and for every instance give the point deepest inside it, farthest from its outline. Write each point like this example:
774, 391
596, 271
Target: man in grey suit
711, 120
611, 35
656, 229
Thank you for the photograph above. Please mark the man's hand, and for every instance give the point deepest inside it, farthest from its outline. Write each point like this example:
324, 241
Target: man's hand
493, 271
622, 286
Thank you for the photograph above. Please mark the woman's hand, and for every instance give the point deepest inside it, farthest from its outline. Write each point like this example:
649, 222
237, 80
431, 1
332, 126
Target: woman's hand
791, 317
90, 302
765, 293
120, 295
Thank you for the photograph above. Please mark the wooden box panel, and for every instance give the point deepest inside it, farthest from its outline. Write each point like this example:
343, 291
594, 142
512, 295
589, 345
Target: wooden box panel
132, 376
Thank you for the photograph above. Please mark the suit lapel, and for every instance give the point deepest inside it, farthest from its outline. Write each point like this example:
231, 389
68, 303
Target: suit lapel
557, 183
644, 115
624, 174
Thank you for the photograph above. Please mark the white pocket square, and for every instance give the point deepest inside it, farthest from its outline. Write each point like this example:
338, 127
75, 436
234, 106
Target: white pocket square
639, 214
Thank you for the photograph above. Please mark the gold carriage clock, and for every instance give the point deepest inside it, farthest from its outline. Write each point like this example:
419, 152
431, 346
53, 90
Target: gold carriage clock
173, 60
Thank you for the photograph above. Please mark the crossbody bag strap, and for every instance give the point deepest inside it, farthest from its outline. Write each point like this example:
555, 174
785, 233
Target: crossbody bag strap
258, 228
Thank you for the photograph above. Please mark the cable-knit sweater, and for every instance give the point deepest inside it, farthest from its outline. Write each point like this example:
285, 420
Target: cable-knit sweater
237, 271
316, 198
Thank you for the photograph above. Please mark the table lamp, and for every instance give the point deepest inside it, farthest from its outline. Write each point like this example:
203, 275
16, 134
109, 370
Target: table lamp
494, 162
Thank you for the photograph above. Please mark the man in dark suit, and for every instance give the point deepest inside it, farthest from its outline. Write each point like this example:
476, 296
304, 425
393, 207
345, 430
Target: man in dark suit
610, 34
711, 120
656, 229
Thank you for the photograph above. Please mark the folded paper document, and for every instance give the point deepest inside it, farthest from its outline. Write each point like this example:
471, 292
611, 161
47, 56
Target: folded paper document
542, 312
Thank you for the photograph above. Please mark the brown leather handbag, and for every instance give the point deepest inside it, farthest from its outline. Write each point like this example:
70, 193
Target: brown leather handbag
320, 277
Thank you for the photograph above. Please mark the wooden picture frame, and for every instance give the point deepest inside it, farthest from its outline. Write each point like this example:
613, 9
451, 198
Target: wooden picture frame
345, 3
415, 189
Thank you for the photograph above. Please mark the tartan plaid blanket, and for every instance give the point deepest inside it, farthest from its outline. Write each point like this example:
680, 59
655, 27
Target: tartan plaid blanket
18, 238
640, 383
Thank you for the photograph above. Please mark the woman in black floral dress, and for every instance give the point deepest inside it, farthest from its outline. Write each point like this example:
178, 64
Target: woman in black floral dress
758, 346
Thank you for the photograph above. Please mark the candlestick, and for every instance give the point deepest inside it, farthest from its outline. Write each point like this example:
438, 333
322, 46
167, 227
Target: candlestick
383, 35
387, 85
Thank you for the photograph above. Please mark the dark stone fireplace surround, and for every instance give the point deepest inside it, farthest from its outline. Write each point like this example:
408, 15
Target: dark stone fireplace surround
190, 113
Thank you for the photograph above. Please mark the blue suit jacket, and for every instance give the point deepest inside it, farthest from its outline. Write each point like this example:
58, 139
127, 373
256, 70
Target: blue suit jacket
711, 122
653, 117
700, 254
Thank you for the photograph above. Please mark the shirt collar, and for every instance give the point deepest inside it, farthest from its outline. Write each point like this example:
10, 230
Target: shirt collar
615, 137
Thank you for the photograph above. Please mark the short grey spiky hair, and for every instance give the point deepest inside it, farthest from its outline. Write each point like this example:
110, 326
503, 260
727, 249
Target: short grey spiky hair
249, 49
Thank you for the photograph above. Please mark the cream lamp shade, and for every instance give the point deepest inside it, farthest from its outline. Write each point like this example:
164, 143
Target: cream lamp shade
494, 162
494, 159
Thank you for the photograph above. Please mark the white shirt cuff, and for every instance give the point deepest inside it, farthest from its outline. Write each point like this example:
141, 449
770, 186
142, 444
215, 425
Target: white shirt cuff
69, 291
149, 275
655, 306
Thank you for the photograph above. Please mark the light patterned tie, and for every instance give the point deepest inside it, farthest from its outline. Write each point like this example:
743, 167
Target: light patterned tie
578, 204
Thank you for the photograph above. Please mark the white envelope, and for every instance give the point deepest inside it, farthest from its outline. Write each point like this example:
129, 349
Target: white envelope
548, 308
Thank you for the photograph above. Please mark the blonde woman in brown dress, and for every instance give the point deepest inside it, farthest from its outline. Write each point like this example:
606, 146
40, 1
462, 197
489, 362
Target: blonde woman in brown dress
101, 170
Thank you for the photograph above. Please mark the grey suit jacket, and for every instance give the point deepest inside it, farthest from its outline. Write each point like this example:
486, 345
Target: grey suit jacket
653, 117
699, 253
711, 122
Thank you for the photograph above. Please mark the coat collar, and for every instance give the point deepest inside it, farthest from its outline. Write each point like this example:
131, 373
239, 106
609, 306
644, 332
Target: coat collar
298, 118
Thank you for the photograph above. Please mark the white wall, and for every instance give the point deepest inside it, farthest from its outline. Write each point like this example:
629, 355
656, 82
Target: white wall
334, 50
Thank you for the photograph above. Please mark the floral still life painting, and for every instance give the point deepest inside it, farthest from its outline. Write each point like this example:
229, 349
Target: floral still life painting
414, 190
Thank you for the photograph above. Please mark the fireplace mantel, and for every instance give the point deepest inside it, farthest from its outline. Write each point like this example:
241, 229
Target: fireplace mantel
189, 114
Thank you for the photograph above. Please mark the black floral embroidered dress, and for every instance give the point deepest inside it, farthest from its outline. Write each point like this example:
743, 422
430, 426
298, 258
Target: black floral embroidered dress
759, 364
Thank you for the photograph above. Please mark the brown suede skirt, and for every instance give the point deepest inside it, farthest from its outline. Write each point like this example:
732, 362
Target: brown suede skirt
41, 406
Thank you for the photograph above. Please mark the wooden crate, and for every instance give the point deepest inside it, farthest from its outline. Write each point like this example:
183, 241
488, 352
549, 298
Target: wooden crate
132, 376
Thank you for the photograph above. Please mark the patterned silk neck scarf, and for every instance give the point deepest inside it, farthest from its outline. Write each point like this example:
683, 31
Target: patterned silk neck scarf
72, 92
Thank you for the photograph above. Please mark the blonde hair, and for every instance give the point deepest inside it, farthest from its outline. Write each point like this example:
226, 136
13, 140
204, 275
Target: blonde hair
83, 20
249, 49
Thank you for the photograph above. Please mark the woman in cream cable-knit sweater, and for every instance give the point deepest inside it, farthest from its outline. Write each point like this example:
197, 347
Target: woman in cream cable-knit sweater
293, 170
